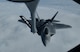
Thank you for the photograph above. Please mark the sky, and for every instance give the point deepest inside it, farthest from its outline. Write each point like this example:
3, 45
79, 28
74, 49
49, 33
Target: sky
16, 37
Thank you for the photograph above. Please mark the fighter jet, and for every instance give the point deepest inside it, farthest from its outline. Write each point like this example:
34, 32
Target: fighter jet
44, 28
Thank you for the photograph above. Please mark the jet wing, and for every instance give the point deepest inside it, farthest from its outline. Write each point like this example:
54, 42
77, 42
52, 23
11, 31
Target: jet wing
78, 1
62, 26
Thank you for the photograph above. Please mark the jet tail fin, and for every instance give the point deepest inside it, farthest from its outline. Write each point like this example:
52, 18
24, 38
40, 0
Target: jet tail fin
51, 20
54, 16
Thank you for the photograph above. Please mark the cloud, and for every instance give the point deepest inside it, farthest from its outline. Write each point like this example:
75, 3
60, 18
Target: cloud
16, 37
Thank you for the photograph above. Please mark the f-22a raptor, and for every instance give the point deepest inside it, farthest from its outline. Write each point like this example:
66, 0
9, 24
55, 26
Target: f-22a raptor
45, 28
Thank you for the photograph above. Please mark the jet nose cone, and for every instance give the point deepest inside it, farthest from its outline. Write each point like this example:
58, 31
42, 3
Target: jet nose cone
45, 39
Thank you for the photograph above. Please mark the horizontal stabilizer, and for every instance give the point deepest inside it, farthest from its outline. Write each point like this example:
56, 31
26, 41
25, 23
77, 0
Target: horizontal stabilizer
56, 21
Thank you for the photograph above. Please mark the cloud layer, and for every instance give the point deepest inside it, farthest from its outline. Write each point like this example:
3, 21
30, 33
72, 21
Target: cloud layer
16, 37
